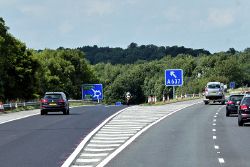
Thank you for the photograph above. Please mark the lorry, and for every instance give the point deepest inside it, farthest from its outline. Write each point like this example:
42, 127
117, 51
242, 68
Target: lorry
214, 92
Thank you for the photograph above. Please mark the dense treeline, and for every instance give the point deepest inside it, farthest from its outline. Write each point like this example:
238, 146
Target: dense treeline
135, 53
17, 67
26, 74
147, 78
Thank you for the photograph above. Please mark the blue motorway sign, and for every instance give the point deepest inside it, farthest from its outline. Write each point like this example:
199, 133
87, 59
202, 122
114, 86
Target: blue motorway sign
92, 92
174, 77
232, 85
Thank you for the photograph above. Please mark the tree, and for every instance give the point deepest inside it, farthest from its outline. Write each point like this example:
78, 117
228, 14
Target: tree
64, 70
17, 67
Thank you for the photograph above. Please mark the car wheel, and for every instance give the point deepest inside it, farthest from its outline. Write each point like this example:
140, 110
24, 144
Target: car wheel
64, 112
42, 112
68, 111
240, 122
227, 113
223, 102
205, 102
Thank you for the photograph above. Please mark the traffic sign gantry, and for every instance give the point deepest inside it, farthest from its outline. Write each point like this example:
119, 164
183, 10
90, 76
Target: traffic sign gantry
92, 92
174, 77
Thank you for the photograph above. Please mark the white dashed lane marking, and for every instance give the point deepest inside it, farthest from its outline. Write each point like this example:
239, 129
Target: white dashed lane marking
221, 160
216, 147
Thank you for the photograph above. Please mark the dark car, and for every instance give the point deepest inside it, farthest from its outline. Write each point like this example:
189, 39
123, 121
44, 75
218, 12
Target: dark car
54, 102
244, 111
231, 105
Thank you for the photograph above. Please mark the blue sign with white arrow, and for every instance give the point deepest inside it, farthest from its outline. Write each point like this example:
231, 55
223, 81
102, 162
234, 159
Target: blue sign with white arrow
232, 85
92, 92
174, 77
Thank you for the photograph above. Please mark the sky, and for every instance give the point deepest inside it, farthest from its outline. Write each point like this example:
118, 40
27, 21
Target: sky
214, 25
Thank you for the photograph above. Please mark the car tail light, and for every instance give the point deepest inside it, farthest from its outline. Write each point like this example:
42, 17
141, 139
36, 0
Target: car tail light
243, 107
44, 101
61, 101
230, 102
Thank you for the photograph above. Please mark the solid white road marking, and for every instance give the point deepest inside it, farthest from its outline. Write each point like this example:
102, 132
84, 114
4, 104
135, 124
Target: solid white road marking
71, 158
88, 160
103, 145
107, 141
98, 149
216, 147
111, 138
221, 160
82, 166
121, 126
114, 135
121, 132
93, 154
129, 141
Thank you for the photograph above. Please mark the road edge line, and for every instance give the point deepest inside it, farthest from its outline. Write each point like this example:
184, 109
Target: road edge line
26, 116
122, 147
75, 153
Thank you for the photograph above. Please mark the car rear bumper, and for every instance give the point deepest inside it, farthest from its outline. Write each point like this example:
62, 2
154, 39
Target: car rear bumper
214, 97
53, 109
245, 117
232, 109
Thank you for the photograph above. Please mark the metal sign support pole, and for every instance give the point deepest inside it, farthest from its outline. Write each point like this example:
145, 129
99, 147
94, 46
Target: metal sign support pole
173, 93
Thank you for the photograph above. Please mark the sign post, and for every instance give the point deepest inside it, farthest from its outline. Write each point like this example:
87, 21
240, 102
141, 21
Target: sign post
174, 77
92, 92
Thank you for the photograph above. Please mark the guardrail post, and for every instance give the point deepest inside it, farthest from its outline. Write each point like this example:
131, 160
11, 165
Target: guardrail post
1, 107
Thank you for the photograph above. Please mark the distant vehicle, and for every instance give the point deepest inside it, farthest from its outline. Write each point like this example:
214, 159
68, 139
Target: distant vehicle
232, 104
247, 92
214, 92
244, 110
54, 102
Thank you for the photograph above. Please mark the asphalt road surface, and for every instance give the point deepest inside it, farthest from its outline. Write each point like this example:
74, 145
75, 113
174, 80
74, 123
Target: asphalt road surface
197, 136
48, 140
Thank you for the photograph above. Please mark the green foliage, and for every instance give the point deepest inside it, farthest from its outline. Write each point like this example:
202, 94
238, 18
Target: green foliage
63, 70
135, 53
27, 74
144, 78
17, 67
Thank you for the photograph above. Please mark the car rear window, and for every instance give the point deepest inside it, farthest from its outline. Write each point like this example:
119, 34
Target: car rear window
246, 100
213, 86
236, 97
53, 96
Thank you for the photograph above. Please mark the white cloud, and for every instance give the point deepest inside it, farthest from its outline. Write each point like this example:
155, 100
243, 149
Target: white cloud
221, 17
